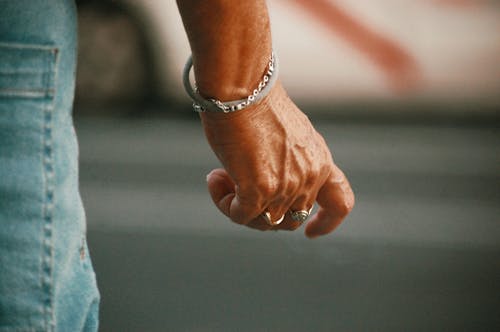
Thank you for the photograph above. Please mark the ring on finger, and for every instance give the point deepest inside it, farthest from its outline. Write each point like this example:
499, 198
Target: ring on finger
300, 215
267, 217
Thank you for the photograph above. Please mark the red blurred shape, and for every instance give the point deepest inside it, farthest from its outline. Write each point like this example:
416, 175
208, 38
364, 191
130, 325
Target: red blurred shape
398, 64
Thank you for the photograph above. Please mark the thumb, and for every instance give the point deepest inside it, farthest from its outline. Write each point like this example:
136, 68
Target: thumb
222, 189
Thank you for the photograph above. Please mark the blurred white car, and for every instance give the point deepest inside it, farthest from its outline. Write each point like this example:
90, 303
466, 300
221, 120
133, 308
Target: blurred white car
332, 52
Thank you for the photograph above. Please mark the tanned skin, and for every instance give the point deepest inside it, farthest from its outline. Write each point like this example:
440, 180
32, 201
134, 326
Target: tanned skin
273, 158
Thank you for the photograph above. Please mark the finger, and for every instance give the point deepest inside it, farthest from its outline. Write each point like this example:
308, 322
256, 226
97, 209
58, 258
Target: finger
242, 212
264, 215
302, 203
276, 212
223, 191
259, 223
336, 200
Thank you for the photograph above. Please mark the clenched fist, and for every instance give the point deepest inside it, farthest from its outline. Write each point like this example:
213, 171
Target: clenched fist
275, 162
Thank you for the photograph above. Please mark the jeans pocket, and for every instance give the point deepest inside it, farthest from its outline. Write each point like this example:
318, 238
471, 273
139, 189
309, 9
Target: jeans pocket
27, 70
27, 89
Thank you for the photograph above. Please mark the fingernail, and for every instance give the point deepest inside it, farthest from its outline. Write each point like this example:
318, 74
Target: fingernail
208, 175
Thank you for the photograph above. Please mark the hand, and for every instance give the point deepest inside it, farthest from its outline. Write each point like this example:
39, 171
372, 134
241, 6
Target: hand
275, 161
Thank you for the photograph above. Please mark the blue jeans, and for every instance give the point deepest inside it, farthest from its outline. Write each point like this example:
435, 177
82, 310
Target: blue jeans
47, 282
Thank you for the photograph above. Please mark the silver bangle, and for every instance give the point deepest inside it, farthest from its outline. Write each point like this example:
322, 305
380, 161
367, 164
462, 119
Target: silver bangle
201, 104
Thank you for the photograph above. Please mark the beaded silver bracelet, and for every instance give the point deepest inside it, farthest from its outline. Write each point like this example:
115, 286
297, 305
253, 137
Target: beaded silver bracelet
200, 104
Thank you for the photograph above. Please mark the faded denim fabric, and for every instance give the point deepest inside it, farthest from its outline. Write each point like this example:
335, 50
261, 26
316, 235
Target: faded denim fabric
47, 282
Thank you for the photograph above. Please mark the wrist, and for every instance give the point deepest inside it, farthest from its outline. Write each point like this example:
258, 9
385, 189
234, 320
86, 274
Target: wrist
232, 77
257, 92
245, 117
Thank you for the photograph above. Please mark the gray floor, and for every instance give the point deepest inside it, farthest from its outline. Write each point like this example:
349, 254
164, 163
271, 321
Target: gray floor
420, 252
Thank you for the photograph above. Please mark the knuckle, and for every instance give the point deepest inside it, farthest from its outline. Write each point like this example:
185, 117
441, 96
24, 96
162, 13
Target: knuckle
314, 178
267, 187
326, 169
346, 205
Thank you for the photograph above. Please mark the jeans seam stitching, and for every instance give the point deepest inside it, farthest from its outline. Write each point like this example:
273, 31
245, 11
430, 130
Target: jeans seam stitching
28, 92
48, 208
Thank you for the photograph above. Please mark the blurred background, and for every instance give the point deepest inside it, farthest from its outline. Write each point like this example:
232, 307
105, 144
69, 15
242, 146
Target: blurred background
406, 93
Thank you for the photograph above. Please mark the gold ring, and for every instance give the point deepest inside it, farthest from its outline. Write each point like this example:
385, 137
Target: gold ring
267, 217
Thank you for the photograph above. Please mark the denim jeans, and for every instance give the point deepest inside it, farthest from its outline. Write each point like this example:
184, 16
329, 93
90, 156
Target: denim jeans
47, 282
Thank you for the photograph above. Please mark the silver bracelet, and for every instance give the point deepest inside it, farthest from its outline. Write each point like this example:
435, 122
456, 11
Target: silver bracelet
201, 104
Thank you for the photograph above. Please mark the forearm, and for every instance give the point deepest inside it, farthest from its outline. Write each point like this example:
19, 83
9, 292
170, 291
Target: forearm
275, 163
231, 45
